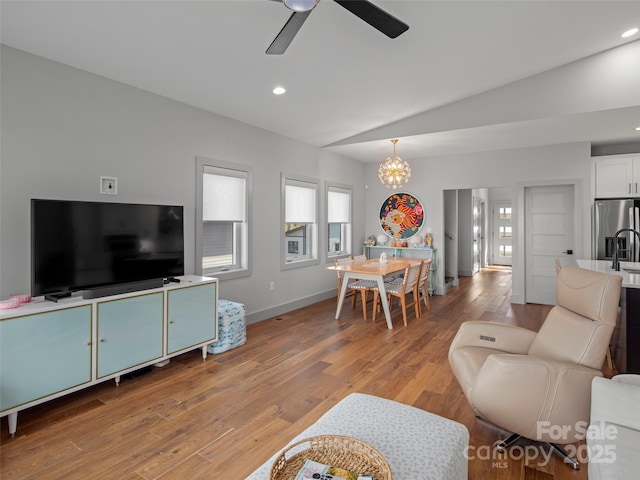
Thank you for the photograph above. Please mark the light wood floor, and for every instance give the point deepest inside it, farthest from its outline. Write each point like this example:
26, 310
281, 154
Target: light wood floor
222, 418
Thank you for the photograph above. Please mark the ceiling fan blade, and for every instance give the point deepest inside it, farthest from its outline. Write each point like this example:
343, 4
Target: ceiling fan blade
283, 39
375, 16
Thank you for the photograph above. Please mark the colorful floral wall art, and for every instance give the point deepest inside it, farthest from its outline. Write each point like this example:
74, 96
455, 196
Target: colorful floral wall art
401, 215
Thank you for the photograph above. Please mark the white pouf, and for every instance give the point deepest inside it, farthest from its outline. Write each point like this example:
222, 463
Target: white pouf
417, 444
232, 327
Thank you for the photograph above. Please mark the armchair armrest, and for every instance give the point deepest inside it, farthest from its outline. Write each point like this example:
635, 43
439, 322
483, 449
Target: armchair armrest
541, 399
496, 336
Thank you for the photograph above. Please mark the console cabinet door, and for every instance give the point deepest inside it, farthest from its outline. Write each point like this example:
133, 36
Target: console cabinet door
129, 332
43, 354
192, 316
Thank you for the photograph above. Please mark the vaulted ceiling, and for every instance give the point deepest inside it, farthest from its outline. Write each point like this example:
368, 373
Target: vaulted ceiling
466, 76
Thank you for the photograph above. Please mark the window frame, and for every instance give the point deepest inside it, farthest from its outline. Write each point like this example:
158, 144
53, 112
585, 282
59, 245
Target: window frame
312, 236
347, 231
242, 231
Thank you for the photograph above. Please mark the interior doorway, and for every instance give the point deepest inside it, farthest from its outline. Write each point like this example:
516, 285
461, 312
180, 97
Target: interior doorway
549, 235
469, 230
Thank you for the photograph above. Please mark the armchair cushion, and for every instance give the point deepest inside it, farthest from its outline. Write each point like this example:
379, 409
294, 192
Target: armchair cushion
569, 337
554, 396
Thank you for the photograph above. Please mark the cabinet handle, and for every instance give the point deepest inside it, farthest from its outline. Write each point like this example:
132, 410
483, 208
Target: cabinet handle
636, 187
629, 188
102, 340
171, 322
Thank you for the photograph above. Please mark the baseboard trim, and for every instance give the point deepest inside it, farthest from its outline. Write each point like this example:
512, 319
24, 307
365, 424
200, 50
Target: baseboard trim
271, 312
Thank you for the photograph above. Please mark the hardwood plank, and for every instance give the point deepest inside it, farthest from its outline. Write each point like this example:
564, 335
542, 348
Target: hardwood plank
224, 417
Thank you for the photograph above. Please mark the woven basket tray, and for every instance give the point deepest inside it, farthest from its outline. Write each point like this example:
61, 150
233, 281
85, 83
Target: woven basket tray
335, 450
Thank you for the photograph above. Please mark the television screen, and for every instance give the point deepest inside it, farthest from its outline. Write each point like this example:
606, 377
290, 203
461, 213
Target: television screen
79, 245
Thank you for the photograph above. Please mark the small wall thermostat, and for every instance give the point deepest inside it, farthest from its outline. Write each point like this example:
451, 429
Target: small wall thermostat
108, 185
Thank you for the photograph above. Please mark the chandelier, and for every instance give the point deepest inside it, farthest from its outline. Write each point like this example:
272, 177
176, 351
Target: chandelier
395, 172
300, 5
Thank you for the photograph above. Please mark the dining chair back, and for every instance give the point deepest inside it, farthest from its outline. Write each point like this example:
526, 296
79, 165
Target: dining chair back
423, 285
408, 286
340, 275
355, 286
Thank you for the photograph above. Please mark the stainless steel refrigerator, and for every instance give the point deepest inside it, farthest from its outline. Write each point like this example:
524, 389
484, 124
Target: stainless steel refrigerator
611, 215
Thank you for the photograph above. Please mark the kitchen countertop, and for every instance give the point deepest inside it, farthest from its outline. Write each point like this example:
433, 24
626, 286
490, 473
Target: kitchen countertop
629, 280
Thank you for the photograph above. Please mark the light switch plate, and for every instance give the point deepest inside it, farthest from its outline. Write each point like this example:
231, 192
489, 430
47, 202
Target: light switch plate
108, 185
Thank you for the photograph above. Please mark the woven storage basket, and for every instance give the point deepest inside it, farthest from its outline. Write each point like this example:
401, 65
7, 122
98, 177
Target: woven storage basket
335, 450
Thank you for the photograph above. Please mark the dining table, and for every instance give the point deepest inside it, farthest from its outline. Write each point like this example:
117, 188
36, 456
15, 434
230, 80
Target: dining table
374, 270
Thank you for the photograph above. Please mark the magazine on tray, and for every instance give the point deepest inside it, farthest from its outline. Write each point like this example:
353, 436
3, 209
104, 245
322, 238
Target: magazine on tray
317, 471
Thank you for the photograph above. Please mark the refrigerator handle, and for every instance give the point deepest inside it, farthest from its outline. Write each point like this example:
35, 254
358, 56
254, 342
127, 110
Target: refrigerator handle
594, 231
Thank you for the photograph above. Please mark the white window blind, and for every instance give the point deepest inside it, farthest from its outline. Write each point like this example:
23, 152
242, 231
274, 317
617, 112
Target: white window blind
338, 206
300, 204
224, 195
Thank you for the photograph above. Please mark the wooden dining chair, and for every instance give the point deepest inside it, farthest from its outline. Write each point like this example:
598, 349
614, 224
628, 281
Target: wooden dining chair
423, 285
408, 286
355, 286
363, 286
340, 276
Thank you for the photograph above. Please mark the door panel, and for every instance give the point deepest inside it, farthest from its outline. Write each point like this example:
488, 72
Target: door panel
548, 236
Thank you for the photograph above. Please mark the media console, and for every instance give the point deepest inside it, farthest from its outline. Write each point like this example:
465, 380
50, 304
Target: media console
48, 349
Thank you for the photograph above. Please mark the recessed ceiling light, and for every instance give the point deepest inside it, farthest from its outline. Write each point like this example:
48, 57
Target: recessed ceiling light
279, 90
629, 32
637, 129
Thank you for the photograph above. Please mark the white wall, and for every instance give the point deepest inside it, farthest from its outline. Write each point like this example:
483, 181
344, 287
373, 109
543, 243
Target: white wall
506, 168
63, 128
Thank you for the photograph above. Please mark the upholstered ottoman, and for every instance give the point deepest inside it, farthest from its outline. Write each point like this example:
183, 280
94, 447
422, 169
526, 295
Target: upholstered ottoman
417, 444
232, 327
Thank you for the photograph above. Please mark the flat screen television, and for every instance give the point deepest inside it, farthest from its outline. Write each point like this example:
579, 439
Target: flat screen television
79, 246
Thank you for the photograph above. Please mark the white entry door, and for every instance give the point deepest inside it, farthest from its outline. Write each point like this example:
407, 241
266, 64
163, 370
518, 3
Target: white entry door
548, 236
502, 234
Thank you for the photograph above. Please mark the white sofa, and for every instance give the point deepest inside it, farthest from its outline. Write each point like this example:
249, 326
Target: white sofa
613, 438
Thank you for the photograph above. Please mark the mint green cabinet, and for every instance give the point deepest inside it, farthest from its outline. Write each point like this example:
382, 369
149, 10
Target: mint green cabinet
43, 354
130, 332
406, 252
48, 350
192, 315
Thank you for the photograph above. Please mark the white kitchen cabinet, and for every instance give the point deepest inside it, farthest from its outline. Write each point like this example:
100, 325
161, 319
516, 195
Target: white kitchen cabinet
618, 176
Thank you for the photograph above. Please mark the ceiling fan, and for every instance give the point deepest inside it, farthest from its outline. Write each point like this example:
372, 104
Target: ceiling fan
365, 10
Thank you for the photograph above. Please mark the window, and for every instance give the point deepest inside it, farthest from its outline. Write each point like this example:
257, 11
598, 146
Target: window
505, 213
222, 229
300, 232
338, 220
505, 231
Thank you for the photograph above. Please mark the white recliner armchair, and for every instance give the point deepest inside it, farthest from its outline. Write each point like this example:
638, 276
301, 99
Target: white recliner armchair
538, 385
613, 439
